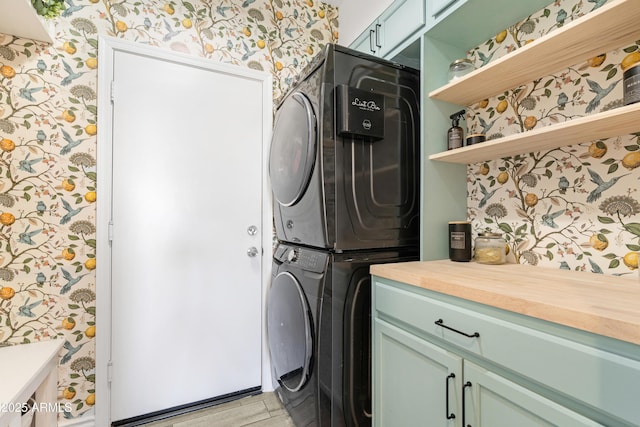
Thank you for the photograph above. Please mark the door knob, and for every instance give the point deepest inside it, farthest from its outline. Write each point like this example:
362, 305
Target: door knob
252, 251
252, 230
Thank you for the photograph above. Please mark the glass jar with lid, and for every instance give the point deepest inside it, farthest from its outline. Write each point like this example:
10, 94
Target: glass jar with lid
490, 248
459, 68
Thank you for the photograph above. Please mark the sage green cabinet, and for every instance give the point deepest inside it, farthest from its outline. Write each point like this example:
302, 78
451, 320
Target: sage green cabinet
395, 25
508, 369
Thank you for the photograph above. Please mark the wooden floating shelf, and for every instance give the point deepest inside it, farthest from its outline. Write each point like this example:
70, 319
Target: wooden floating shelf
608, 124
610, 27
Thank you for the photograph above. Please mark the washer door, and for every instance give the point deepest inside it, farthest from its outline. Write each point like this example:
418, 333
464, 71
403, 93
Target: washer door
293, 149
289, 332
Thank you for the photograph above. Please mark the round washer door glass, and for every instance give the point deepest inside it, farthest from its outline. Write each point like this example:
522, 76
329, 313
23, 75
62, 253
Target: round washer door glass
293, 149
289, 332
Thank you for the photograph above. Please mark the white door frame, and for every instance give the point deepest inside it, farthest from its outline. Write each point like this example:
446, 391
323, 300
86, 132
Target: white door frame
106, 51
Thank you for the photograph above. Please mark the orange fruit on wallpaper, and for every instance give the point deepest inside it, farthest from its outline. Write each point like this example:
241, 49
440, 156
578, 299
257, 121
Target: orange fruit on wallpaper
246, 31
598, 242
90, 332
631, 160
7, 145
530, 122
69, 116
68, 184
7, 71
169, 9
279, 66
7, 218
279, 16
68, 254
597, 61
90, 264
629, 60
484, 169
186, 22
69, 393
68, 323
69, 47
90, 196
208, 48
502, 177
531, 200
502, 106
310, 50
501, 36
7, 292
121, 26
91, 63
631, 260
483, 103
597, 149
91, 399
261, 44
91, 129
321, 14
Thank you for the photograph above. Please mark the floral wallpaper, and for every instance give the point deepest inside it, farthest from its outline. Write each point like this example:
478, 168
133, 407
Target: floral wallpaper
576, 207
48, 148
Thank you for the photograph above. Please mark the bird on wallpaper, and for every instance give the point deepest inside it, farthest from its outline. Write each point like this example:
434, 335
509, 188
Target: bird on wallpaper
70, 281
71, 8
564, 265
485, 126
595, 268
25, 309
602, 185
548, 219
486, 195
247, 3
70, 212
170, 33
485, 59
71, 350
71, 143
310, 20
26, 164
26, 235
598, 3
42, 67
600, 93
41, 136
562, 100
40, 278
563, 184
561, 17
222, 10
247, 52
71, 75
41, 207
27, 92
147, 23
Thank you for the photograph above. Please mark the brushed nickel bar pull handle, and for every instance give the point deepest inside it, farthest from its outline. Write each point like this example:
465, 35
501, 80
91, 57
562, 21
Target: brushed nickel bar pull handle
449, 415
440, 322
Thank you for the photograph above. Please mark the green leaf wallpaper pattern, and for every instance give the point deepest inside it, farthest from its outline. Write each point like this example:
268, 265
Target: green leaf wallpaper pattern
48, 138
574, 207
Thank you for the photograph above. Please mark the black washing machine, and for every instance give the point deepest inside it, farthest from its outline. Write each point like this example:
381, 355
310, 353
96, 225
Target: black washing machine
319, 333
345, 154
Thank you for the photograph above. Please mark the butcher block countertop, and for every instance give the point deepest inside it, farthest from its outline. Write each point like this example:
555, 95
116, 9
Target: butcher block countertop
597, 303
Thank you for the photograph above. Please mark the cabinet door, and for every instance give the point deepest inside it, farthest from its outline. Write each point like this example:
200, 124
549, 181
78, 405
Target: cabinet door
366, 41
397, 23
491, 400
415, 383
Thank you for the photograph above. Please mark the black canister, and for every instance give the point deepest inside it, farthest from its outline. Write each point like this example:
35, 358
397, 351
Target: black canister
631, 84
460, 241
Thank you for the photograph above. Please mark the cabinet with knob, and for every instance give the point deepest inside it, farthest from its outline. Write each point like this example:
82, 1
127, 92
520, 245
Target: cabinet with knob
458, 363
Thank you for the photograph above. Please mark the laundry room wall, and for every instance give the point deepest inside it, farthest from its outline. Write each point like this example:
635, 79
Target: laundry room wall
575, 207
48, 140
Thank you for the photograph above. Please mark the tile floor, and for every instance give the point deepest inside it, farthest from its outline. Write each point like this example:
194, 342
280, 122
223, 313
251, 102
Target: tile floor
263, 410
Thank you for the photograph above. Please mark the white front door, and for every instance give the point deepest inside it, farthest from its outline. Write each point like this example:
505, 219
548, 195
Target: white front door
186, 207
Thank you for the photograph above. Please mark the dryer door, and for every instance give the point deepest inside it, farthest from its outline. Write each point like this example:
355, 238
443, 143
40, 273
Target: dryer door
289, 332
293, 149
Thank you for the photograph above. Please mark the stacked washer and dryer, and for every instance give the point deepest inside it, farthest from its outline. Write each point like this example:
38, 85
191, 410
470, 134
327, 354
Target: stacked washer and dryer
345, 174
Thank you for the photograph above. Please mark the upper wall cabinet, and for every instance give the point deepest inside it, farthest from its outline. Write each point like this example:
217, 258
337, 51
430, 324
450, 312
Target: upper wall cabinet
19, 18
357, 15
402, 19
